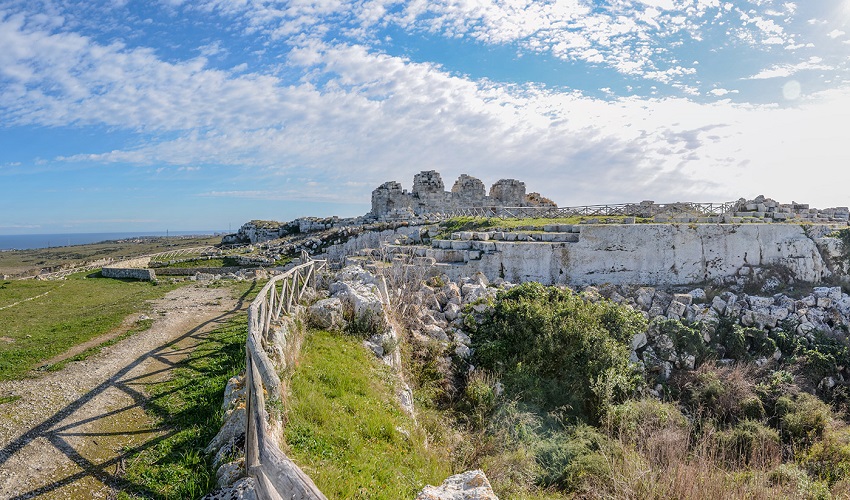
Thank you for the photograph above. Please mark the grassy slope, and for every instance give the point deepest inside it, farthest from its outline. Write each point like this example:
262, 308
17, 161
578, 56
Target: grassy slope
344, 426
74, 311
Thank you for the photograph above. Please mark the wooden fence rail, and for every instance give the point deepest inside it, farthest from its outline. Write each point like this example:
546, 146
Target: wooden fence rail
622, 209
276, 476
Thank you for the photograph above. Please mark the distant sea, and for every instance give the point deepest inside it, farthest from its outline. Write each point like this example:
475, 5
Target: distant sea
31, 241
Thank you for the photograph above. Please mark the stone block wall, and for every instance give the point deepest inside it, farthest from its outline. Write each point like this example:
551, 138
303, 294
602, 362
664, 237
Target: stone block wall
129, 273
391, 201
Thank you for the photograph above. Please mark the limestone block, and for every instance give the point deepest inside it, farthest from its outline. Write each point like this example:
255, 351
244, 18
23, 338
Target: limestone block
452, 311
484, 246
472, 255
718, 304
435, 332
472, 485
684, 298
676, 310
643, 297
760, 302
638, 341
244, 489
461, 245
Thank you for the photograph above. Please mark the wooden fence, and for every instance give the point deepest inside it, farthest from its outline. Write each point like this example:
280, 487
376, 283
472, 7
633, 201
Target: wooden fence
276, 476
622, 209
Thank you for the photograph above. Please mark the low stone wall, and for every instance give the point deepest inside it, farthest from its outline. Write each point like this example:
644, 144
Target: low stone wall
189, 271
129, 273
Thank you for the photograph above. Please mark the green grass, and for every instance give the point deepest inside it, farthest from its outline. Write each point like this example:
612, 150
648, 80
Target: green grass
74, 311
188, 406
8, 399
216, 262
483, 223
344, 425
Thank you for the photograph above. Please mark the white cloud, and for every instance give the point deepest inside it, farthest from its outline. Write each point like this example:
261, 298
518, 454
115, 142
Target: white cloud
835, 33
786, 70
359, 115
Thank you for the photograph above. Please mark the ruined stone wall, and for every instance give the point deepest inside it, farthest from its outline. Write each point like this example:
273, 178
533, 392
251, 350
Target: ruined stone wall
654, 254
390, 201
129, 273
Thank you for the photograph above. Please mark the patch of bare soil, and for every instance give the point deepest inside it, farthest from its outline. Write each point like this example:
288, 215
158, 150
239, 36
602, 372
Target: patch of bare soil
68, 433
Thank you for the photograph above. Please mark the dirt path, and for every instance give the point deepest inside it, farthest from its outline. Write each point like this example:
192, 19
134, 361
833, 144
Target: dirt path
67, 434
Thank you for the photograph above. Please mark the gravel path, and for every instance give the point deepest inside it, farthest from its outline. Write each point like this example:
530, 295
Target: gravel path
67, 435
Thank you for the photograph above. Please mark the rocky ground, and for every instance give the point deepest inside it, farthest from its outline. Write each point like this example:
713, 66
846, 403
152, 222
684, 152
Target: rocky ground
67, 435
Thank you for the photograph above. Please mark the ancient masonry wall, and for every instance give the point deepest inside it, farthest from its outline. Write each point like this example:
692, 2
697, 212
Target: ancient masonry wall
390, 200
128, 273
657, 254
130, 269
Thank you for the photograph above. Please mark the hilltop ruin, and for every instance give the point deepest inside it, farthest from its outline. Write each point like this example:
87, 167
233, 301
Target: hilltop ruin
392, 202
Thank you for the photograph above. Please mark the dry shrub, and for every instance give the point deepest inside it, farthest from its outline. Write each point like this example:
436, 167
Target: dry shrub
657, 430
724, 395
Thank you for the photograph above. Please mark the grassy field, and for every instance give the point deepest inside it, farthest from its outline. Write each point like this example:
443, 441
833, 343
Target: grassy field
29, 262
189, 406
345, 429
41, 319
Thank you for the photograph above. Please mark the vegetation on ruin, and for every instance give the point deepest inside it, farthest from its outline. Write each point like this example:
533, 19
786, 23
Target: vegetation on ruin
720, 431
188, 407
466, 223
42, 319
345, 428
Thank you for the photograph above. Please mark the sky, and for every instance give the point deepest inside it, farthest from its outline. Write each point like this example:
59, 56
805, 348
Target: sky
150, 115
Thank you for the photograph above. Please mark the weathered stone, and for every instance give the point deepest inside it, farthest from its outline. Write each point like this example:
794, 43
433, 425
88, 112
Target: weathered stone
327, 314
472, 485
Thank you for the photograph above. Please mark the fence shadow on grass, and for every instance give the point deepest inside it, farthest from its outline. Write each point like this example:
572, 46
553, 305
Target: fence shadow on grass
56, 430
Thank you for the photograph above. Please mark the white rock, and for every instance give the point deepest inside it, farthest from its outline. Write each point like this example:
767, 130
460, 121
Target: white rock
638, 341
472, 485
326, 314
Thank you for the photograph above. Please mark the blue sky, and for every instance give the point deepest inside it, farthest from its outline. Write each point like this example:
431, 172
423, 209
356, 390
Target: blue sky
171, 114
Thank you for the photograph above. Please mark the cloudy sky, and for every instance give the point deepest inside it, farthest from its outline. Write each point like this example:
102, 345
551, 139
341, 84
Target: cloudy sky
203, 114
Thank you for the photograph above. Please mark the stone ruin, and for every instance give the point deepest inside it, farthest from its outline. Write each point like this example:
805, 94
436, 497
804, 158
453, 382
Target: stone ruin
391, 201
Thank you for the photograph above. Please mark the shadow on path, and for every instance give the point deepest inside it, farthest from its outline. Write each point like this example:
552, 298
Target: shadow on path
56, 434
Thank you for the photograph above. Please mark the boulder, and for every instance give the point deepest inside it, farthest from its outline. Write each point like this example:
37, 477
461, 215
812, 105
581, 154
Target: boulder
327, 314
472, 485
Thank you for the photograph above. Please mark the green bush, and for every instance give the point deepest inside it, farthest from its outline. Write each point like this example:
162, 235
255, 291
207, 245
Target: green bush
573, 460
802, 419
686, 338
558, 350
829, 459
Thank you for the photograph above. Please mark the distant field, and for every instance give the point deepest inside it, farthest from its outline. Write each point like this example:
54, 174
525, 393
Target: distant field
40, 319
30, 262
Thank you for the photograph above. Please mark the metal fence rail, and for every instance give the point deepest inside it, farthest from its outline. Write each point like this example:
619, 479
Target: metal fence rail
276, 476
622, 209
